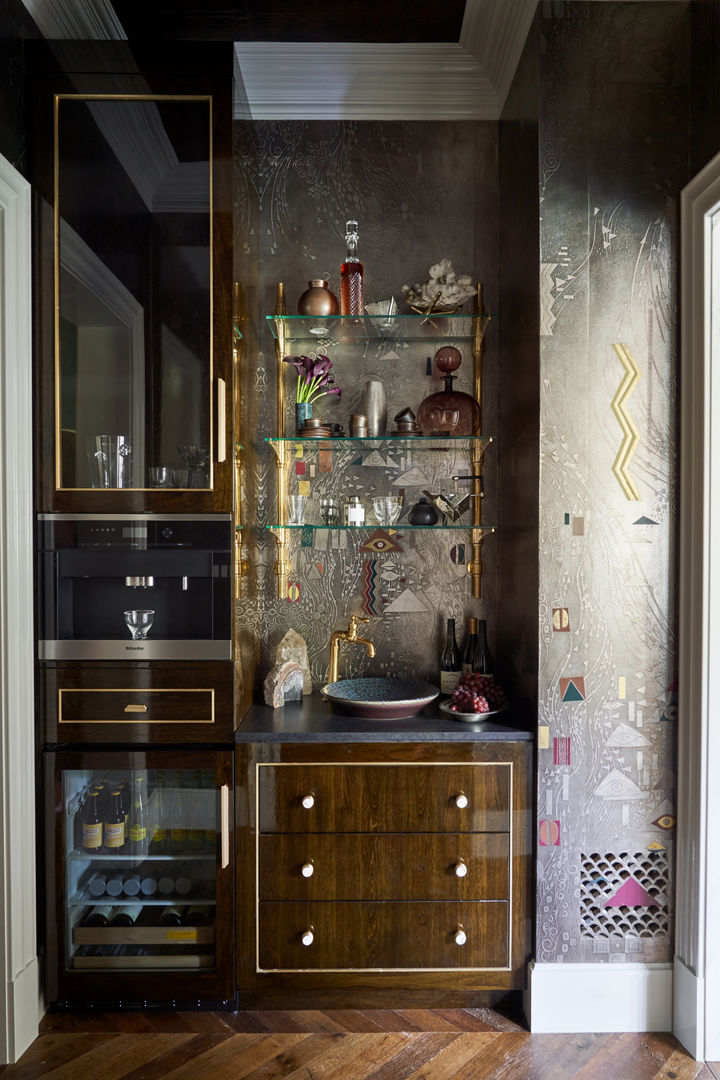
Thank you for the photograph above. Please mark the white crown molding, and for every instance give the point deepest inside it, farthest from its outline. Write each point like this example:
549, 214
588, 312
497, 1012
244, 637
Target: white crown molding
364, 81
83, 19
495, 34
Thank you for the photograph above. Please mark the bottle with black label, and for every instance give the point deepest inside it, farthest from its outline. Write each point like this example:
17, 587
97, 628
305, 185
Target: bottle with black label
127, 915
470, 646
450, 664
196, 915
114, 824
99, 915
92, 823
483, 662
171, 916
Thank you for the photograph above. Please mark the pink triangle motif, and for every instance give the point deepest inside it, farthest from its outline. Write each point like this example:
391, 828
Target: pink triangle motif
632, 894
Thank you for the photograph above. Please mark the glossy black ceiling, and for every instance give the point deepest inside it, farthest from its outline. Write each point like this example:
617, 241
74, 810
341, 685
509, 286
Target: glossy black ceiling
288, 20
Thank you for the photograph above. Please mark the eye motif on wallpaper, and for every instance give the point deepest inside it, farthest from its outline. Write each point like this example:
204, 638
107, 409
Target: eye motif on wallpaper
630, 432
380, 543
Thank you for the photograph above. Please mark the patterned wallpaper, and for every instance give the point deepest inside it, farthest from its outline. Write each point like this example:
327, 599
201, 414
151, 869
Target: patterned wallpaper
420, 192
614, 129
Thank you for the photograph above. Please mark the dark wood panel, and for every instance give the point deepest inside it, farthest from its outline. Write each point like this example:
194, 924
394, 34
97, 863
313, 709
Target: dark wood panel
384, 798
382, 935
184, 702
384, 867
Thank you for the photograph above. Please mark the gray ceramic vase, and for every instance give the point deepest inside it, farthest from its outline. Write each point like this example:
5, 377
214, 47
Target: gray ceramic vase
374, 406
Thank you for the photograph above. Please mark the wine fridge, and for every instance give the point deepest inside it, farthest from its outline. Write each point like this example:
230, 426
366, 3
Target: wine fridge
139, 877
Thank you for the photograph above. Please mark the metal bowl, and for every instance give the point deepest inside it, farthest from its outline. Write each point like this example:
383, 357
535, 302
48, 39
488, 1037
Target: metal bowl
380, 698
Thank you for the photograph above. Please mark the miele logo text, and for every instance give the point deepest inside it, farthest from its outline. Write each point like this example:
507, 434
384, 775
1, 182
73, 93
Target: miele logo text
135, 648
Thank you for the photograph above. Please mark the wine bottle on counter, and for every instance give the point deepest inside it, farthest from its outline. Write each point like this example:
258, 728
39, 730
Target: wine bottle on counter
483, 662
450, 664
99, 915
351, 274
127, 915
470, 646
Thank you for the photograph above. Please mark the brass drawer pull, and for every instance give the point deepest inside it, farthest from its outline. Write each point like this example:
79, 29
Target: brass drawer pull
461, 868
460, 936
307, 870
135, 708
308, 937
461, 801
308, 801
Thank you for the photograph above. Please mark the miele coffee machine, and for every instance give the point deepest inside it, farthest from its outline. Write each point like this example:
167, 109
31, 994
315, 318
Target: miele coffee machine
134, 586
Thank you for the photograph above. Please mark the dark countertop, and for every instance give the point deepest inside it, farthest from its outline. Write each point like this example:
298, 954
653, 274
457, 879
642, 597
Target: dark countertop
313, 720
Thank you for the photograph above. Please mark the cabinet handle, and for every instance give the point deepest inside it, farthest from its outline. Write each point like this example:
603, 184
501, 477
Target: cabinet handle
221, 429
308, 937
461, 801
460, 936
224, 826
308, 801
135, 708
307, 869
461, 868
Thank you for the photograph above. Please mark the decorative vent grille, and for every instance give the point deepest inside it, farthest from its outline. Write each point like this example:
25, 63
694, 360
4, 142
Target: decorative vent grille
601, 878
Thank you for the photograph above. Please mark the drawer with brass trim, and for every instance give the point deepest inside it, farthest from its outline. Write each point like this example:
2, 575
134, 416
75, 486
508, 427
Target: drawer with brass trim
457, 798
371, 936
384, 866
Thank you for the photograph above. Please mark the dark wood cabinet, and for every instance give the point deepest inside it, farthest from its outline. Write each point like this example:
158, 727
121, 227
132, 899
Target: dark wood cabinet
124, 702
381, 866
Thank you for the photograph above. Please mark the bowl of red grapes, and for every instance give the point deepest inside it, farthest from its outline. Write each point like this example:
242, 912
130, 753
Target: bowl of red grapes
475, 697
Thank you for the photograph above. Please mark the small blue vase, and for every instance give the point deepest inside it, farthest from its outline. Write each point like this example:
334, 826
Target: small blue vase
303, 412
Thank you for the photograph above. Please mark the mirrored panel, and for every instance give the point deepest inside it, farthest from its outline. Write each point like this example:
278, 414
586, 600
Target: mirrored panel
133, 282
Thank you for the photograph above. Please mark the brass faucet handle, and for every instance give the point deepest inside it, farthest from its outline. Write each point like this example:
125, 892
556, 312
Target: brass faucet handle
355, 619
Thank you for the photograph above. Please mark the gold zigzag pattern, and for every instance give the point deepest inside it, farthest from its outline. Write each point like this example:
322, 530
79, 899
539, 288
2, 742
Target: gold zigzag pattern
630, 432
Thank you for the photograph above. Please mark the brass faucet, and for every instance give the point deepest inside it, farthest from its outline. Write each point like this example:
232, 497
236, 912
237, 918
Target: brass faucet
351, 634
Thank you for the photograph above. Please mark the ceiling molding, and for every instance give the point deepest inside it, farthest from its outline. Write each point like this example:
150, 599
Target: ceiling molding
364, 81
85, 19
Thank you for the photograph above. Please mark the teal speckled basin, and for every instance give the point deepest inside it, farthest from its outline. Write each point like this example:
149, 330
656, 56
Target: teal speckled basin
380, 698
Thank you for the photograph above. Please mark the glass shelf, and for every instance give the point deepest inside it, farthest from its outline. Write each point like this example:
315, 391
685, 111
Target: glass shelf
338, 328
420, 442
398, 527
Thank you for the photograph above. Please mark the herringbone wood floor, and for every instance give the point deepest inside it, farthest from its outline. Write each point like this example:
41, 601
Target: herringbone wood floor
374, 1044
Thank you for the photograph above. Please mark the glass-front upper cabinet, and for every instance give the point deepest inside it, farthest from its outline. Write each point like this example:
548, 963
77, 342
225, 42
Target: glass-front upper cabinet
142, 329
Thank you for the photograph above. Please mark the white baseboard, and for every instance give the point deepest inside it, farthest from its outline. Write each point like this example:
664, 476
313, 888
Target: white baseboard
24, 1008
599, 997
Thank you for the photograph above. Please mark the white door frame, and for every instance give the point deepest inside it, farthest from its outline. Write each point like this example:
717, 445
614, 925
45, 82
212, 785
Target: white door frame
697, 938
19, 982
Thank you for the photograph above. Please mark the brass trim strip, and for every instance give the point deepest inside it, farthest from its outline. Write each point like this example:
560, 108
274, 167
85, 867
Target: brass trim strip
125, 691
384, 764
224, 827
222, 427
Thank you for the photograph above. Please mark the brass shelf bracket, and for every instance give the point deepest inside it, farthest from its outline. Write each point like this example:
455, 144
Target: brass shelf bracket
282, 566
475, 566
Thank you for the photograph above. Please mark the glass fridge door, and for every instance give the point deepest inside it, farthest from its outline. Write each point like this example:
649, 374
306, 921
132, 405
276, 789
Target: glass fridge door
141, 850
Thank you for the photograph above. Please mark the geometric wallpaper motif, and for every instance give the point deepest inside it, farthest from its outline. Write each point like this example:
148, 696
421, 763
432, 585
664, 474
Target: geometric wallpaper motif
624, 894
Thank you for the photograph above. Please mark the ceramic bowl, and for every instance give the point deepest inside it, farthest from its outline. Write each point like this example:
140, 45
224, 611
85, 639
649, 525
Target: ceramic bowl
380, 698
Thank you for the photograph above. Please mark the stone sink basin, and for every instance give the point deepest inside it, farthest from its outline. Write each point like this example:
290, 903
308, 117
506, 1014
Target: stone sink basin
380, 698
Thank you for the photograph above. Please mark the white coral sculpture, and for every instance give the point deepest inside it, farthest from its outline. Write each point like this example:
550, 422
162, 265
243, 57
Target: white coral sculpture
443, 287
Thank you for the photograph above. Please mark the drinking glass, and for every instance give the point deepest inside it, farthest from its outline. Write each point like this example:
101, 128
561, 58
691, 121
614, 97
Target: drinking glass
138, 622
295, 509
160, 476
329, 511
387, 509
